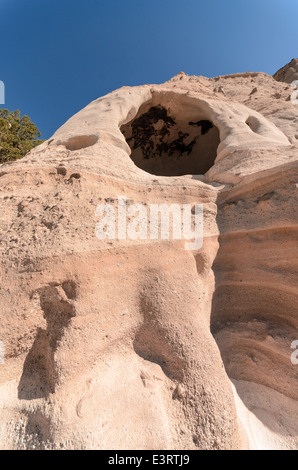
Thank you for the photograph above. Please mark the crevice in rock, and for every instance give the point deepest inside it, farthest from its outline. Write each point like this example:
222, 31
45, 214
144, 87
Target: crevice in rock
167, 143
254, 124
40, 377
80, 142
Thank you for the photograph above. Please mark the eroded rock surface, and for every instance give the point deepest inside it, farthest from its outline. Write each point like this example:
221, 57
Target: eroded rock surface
141, 344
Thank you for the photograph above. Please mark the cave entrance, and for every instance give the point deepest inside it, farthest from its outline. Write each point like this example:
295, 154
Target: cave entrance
172, 142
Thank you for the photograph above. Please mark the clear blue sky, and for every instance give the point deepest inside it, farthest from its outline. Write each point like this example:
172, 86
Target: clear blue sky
58, 55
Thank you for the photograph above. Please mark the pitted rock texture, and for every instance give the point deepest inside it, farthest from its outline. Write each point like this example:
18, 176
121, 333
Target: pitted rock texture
141, 344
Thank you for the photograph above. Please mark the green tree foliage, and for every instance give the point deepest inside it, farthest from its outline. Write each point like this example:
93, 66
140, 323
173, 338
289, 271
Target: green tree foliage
18, 135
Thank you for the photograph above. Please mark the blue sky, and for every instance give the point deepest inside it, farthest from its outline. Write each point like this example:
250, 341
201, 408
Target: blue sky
58, 55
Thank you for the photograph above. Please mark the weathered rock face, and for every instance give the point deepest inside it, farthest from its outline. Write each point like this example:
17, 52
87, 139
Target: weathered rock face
140, 343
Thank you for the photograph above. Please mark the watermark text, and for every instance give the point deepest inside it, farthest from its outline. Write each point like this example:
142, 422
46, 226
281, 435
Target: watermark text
154, 221
294, 356
2, 352
294, 95
2, 92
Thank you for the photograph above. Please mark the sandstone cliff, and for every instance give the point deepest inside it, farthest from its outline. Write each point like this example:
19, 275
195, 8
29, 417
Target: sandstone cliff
141, 344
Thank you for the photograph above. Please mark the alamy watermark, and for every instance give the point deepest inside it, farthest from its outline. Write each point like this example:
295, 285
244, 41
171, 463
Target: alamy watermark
294, 356
294, 95
2, 352
2, 92
153, 221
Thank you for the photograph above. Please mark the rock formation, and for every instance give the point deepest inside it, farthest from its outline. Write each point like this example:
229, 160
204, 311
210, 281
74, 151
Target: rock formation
288, 73
142, 344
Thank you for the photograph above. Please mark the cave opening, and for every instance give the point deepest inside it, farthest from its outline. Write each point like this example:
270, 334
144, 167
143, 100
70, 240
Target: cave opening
172, 142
